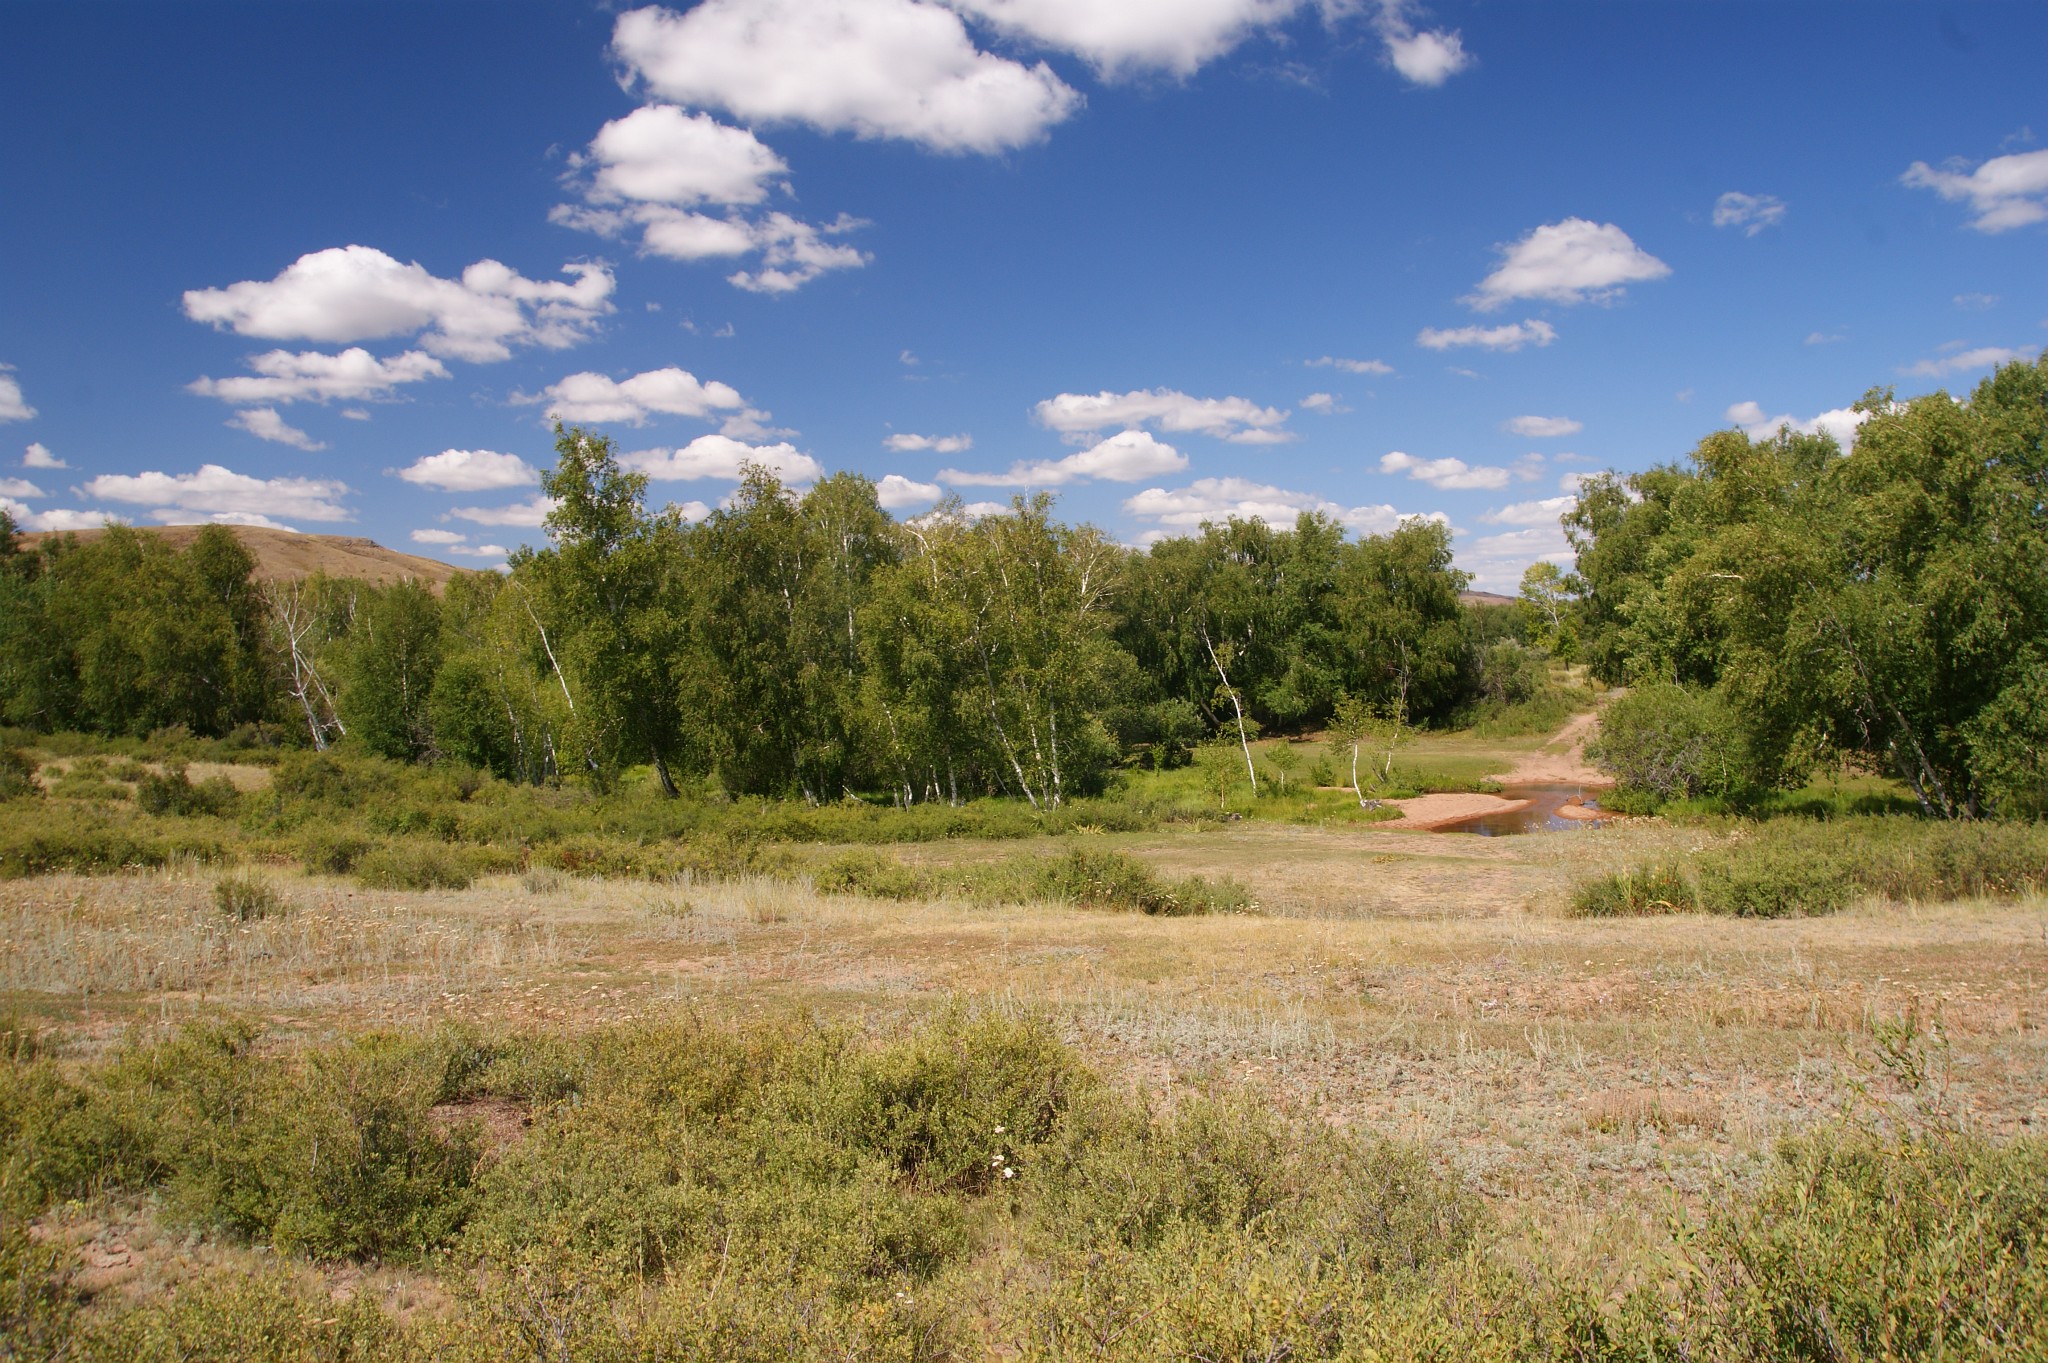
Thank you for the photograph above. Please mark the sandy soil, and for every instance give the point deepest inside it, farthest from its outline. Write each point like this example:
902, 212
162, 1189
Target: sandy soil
1561, 761
1425, 812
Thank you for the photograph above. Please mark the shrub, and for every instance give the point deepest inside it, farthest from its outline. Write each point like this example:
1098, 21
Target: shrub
870, 873
91, 842
17, 774
1673, 743
172, 792
325, 850
417, 866
244, 898
1648, 890
1115, 880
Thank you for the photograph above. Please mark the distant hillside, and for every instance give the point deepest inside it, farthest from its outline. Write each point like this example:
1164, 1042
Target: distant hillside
282, 554
1486, 599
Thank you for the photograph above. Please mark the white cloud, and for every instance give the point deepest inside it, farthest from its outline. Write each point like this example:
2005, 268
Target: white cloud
692, 510
469, 471
1824, 337
1841, 422
1174, 36
1218, 499
1544, 427
1325, 403
906, 443
358, 293
1574, 261
588, 398
1497, 562
1961, 361
527, 515
1572, 482
58, 520
876, 68
793, 252
1512, 336
38, 456
214, 489
13, 407
310, 376
1976, 302
1235, 419
1351, 366
1446, 475
439, 537
1544, 512
20, 487
496, 551
897, 492
660, 154
1124, 457
720, 456
355, 413
974, 511
2004, 192
265, 424
1423, 57
1750, 212
177, 516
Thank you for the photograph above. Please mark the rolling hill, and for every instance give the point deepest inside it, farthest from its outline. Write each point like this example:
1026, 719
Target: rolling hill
284, 555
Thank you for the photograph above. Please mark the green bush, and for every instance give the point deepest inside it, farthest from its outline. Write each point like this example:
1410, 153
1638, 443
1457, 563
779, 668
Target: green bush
172, 792
1673, 743
1116, 880
1627, 894
414, 865
17, 774
40, 841
325, 850
868, 872
244, 898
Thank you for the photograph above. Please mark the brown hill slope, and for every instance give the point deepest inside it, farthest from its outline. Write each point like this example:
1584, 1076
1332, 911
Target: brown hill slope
282, 554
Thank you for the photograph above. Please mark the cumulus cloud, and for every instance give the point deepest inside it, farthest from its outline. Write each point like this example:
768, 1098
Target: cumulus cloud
38, 456
13, 407
1427, 57
2004, 192
590, 398
215, 490
438, 537
1124, 457
1750, 212
1840, 422
1543, 512
1235, 419
660, 154
1544, 427
20, 487
1960, 360
1174, 36
896, 492
720, 456
1512, 336
1446, 475
1325, 403
312, 376
905, 443
1218, 499
58, 520
793, 252
265, 424
1574, 261
1497, 562
1351, 366
527, 515
358, 293
469, 471
902, 69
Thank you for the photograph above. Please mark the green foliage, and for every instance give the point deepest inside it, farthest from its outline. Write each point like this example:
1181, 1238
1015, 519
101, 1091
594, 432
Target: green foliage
1794, 866
17, 774
244, 897
1669, 742
43, 839
414, 864
172, 792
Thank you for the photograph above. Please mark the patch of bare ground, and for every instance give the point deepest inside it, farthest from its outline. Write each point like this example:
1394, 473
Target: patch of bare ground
1426, 985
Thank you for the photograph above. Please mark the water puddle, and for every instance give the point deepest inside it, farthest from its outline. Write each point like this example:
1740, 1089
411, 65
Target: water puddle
1540, 815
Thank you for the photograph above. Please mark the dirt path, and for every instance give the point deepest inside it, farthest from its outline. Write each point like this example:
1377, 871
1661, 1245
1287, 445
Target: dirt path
1561, 761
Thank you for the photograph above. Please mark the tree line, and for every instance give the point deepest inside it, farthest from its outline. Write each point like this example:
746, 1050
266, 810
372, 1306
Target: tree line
1781, 603
796, 644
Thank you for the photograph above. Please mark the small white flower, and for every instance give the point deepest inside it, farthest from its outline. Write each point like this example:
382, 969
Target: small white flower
999, 1131
1009, 1173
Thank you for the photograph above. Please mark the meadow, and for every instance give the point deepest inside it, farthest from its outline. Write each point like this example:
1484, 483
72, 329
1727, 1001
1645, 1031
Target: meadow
326, 1058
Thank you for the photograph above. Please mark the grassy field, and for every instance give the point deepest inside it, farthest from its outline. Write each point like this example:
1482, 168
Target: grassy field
1591, 1084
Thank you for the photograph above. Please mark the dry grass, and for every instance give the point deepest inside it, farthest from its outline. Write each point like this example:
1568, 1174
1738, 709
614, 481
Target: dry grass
1426, 985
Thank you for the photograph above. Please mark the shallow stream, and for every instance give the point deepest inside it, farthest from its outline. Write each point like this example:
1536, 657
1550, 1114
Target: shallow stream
1540, 815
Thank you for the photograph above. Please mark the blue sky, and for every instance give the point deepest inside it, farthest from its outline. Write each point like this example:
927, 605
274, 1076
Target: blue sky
334, 266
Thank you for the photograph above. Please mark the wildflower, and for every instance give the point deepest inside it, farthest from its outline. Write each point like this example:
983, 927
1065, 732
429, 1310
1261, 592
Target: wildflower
1009, 1173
